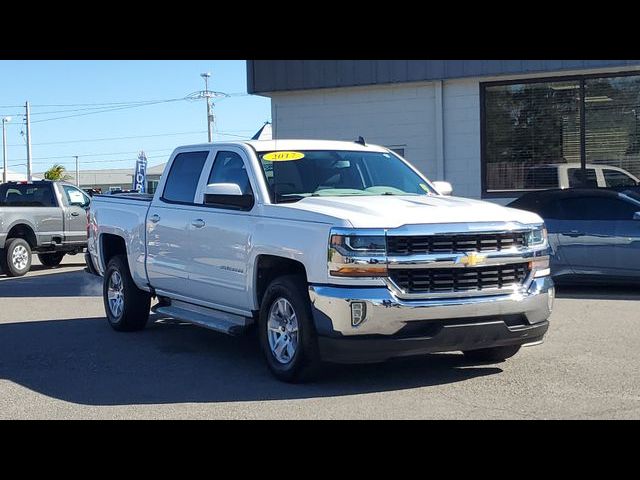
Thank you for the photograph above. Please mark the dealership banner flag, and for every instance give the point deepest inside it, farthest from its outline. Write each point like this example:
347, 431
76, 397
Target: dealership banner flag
140, 173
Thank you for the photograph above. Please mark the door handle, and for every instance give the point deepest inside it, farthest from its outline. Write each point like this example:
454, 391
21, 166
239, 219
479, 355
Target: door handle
74, 214
155, 218
573, 233
198, 223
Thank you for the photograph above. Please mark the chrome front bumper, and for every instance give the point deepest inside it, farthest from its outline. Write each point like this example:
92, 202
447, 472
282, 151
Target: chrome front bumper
387, 314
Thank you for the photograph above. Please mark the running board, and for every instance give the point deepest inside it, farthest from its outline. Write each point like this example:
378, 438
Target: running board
205, 317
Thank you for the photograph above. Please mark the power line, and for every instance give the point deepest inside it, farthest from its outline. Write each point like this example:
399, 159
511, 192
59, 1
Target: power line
133, 137
82, 162
106, 110
115, 138
89, 155
69, 157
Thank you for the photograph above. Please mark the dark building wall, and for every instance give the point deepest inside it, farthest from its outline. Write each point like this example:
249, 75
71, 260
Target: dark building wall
283, 75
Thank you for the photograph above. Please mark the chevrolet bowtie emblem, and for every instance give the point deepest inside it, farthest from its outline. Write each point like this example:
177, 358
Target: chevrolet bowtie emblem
472, 259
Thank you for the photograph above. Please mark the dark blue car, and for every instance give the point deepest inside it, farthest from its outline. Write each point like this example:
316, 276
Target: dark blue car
594, 233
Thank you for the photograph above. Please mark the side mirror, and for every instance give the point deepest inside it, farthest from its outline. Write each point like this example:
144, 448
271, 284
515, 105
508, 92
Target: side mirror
636, 216
444, 188
227, 195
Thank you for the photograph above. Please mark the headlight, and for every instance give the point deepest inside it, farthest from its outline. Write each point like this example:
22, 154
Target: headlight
357, 255
361, 244
537, 236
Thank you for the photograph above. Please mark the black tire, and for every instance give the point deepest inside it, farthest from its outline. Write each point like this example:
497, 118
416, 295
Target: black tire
305, 362
495, 354
51, 259
7, 264
134, 311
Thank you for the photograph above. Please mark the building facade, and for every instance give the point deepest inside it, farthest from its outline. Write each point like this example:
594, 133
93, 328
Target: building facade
113, 179
494, 129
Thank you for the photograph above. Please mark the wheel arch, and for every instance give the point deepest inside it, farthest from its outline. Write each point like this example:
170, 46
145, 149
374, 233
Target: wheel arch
110, 246
268, 268
23, 230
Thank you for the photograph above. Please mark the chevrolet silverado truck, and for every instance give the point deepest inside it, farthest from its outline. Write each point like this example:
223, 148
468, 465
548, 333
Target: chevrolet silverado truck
335, 251
49, 218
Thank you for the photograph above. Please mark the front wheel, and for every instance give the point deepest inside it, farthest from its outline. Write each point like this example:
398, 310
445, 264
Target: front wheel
127, 306
287, 334
16, 257
495, 354
51, 259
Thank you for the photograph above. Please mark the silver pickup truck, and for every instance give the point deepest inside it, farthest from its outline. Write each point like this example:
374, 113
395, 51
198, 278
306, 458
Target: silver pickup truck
49, 218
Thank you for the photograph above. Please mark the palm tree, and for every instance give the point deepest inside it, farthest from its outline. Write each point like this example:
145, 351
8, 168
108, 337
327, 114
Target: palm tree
57, 172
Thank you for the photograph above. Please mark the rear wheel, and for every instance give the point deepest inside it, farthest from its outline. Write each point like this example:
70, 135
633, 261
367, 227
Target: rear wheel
126, 306
495, 354
16, 257
287, 334
51, 259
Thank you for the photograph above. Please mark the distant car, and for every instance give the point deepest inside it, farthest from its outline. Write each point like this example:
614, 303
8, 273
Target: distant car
572, 175
594, 233
92, 191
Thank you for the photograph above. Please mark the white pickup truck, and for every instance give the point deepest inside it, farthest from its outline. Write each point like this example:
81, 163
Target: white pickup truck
336, 251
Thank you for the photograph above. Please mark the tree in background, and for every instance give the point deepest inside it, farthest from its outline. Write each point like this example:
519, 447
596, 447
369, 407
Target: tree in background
57, 172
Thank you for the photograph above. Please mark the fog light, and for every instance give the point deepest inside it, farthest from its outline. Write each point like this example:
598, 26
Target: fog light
358, 313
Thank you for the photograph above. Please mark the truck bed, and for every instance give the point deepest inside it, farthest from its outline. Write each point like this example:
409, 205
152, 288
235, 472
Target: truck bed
124, 215
141, 197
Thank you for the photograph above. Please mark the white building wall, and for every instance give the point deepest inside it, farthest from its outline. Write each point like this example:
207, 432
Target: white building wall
402, 116
461, 131
399, 116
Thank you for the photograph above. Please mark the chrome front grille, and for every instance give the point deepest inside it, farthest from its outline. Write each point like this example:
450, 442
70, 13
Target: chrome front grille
451, 280
467, 242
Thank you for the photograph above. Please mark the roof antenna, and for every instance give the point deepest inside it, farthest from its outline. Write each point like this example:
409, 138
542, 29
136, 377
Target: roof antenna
360, 141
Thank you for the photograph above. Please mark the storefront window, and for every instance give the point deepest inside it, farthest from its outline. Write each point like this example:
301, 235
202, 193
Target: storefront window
561, 134
612, 136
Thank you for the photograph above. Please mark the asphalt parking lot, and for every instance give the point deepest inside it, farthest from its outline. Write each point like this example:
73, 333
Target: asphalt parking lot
60, 360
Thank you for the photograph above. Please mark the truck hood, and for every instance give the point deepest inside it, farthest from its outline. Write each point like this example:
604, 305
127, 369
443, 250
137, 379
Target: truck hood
394, 211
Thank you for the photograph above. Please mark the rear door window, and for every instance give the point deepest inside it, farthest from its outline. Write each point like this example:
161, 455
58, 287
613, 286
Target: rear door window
541, 177
182, 179
582, 178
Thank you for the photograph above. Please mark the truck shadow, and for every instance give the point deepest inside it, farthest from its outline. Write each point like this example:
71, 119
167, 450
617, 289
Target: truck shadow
75, 283
85, 362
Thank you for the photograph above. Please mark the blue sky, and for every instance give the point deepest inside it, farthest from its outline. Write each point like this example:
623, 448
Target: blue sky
66, 88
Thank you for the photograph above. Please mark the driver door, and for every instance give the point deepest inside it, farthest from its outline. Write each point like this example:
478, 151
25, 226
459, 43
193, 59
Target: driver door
75, 215
221, 238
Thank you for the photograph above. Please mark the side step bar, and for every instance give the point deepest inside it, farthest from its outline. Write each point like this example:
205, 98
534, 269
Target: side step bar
205, 317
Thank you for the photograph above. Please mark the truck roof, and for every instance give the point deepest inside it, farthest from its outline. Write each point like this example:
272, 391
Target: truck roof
37, 182
299, 144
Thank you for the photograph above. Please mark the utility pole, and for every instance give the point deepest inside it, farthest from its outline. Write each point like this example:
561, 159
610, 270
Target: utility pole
77, 171
5, 173
29, 176
207, 96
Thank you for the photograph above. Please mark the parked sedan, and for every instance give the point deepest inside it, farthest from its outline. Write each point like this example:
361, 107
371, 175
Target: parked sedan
594, 233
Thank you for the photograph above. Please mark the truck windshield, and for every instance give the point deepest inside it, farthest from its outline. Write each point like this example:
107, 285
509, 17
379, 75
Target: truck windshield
292, 176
